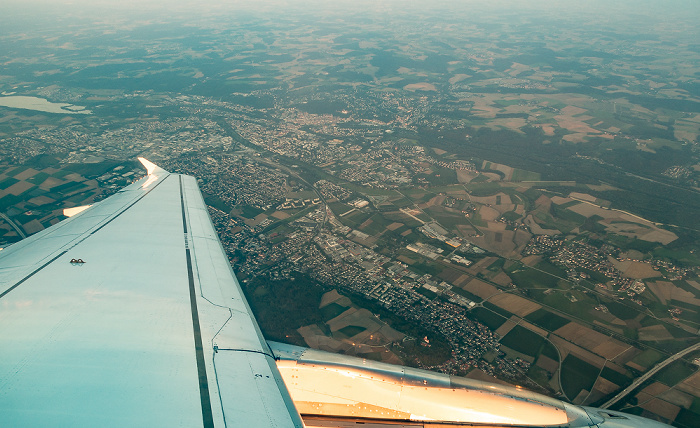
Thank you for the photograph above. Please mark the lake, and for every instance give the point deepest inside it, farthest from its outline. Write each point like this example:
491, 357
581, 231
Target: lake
40, 104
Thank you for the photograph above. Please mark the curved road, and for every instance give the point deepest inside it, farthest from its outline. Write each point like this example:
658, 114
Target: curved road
650, 373
14, 225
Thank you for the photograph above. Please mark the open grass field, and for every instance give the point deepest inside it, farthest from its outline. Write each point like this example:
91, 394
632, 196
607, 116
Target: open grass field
675, 372
562, 300
546, 319
577, 375
647, 358
622, 310
489, 318
352, 330
526, 277
654, 333
523, 340
615, 377
331, 311
522, 175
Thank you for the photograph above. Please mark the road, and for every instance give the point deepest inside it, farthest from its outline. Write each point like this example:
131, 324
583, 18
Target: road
14, 226
649, 374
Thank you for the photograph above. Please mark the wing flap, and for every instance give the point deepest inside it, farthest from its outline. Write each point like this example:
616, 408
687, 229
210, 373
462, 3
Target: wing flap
250, 382
249, 385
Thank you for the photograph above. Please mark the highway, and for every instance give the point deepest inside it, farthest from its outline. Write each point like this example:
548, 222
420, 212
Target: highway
649, 374
14, 226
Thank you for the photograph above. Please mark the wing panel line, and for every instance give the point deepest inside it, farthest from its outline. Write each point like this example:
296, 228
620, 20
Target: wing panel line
31, 274
207, 415
130, 205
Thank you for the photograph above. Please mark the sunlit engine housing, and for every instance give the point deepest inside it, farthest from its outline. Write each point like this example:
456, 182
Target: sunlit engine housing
324, 384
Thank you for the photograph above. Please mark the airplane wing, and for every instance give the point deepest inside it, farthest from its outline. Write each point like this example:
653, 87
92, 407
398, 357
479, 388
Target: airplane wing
128, 314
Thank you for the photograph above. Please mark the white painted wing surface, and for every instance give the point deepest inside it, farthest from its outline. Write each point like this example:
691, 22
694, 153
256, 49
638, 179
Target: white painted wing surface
128, 337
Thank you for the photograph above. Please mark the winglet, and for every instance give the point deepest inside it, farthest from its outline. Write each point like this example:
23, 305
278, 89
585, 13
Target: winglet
150, 166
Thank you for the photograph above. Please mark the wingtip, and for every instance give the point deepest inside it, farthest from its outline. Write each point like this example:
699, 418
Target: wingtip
150, 166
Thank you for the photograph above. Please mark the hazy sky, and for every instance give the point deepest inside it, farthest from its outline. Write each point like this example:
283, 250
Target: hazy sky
594, 6
678, 18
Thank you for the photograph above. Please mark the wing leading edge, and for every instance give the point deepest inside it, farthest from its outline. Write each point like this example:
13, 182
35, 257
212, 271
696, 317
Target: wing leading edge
151, 330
